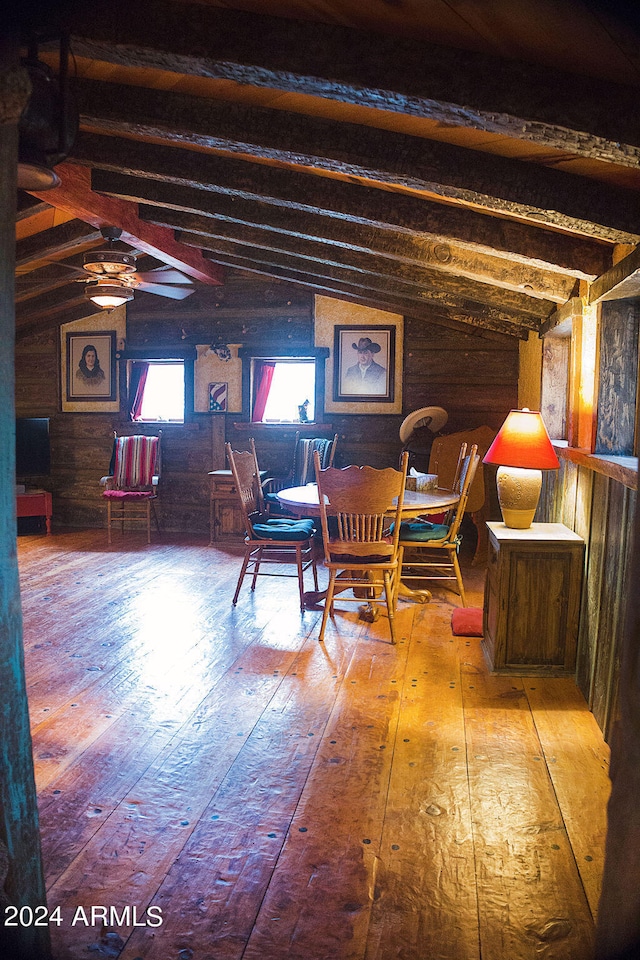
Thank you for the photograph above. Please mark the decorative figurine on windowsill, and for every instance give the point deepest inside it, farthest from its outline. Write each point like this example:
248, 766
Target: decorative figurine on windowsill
303, 412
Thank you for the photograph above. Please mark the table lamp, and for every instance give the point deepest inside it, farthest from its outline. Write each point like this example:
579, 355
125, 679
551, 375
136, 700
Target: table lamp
523, 450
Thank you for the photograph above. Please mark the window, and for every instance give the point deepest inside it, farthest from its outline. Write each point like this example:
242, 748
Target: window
159, 388
283, 391
283, 386
162, 395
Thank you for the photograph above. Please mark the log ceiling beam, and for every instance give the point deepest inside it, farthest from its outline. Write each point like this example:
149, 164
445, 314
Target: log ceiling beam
621, 282
541, 105
65, 313
455, 319
381, 252
324, 276
55, 244
426, 283
492, 184
202, 183
74, 194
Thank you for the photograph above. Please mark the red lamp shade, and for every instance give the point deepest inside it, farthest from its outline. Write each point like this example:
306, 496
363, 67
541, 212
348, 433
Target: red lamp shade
523, 441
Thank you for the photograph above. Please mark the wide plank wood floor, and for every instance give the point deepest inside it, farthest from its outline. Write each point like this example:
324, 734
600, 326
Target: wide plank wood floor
273, 797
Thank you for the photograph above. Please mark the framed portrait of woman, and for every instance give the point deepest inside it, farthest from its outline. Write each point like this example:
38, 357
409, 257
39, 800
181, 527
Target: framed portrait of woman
91, 365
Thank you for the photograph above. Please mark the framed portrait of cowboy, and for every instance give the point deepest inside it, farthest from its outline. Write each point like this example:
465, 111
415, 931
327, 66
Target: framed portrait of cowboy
364, 363
91, 365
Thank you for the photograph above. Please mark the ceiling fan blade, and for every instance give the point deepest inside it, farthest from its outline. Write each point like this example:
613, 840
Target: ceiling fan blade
163, 275
175, 293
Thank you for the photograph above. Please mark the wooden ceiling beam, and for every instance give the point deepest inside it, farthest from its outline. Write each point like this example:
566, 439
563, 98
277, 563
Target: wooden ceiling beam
74, 194
542, 105
291, 267
492, 184
621, 282
328, 256
55, 243
380, 251
455, 318
51, 303
196, 182
65, 313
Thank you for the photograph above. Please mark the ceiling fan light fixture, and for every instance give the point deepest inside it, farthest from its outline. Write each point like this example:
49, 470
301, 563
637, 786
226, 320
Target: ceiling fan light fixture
108, 295
109, 262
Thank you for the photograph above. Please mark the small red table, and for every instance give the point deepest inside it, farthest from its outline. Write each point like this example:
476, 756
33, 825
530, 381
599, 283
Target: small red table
35, 504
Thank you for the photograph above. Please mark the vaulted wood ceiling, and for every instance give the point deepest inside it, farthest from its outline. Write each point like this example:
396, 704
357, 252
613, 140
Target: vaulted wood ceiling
472, 165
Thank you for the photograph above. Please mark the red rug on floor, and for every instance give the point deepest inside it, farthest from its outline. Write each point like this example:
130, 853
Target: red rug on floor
467, 622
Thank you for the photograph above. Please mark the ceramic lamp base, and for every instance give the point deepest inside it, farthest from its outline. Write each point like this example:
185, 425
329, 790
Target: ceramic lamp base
518, 495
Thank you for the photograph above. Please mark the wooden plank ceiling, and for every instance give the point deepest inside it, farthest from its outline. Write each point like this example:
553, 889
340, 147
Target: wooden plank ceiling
472, 165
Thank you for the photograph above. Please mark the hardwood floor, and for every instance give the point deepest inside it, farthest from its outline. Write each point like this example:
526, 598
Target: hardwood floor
271, 796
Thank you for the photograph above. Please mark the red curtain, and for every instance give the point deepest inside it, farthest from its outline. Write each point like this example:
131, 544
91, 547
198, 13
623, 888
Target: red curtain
137, 381
262, 377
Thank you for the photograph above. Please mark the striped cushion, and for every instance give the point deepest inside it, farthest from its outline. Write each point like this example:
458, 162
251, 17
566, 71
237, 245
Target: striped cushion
303, 467
135, 461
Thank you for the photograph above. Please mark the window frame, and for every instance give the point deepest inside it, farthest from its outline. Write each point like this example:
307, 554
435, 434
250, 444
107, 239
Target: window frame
270, 351
187, 355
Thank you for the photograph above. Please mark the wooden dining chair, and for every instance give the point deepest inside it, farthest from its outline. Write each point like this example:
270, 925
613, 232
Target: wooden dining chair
431, 549
360, 533
301, 471
131, 488
269, 541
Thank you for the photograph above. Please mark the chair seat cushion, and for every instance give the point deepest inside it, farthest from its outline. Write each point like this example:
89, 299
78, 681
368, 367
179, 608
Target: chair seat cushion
421, 531
284, 529
129, 494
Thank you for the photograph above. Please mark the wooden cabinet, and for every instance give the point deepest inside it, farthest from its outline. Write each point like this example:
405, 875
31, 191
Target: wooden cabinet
38, 503
532, 599
225, 516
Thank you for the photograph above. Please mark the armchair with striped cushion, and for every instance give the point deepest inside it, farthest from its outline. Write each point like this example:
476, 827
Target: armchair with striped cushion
131, 488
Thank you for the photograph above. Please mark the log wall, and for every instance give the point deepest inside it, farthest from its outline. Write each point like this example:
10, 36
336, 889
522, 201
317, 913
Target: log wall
473, 378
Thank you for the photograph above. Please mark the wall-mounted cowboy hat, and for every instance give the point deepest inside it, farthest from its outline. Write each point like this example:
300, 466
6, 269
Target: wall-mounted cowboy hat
366, 343
432, 417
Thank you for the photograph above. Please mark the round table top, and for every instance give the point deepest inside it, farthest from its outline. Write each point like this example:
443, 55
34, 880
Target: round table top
304, 501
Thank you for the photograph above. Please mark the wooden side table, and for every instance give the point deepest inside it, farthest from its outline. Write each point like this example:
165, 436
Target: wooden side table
225, 517
38, 503
532, 599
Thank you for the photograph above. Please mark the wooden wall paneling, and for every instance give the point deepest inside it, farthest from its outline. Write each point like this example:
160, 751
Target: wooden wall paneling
569, 495
624, 587
612, 584
618, 377
589, 634
555, 374
586, 638
473, 377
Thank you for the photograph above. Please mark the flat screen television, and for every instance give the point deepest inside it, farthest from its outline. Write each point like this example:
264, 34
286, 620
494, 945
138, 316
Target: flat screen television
33, 449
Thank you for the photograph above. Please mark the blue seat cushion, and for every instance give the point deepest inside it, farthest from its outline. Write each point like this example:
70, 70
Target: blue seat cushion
284, 529
421, 531
272, 498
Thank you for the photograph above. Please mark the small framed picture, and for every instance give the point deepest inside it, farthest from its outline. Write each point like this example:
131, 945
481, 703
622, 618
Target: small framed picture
91, 366
218, 397
364, 363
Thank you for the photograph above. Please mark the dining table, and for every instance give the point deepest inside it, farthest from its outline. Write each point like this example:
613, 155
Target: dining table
304, 502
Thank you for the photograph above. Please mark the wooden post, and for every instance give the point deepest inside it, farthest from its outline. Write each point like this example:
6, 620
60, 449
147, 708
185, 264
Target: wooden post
21, 876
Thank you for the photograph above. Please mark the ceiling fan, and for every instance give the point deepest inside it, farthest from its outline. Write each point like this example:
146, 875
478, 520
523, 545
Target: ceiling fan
111, 275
